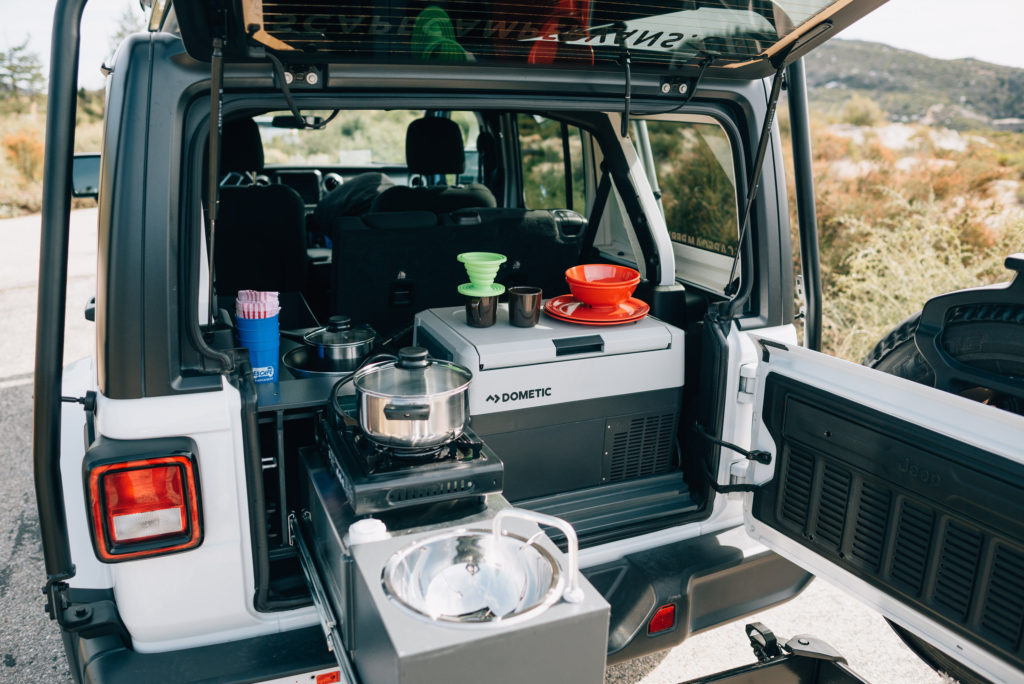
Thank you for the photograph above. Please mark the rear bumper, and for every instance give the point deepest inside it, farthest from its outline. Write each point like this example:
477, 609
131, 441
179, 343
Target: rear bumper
274, 656
710, 580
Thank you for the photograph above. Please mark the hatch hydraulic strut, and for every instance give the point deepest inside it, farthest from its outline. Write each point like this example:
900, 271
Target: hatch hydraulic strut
738, 289
216, 128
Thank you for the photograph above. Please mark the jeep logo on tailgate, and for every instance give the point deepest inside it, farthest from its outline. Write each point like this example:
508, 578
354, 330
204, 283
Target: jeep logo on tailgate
519, 395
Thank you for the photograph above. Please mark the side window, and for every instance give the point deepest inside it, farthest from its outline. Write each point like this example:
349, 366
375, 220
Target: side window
692, 162
552, 155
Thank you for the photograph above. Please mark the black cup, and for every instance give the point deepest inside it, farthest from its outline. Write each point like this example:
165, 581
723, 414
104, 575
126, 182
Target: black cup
524, 306
481, 312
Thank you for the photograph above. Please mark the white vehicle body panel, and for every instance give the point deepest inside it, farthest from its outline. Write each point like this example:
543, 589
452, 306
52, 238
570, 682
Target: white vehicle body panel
205, 595
90, 573
993, 430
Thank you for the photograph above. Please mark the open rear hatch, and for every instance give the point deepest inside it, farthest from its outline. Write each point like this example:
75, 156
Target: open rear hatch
741, 39
906, 496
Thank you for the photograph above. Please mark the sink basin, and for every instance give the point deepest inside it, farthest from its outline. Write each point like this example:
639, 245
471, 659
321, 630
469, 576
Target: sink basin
474, 577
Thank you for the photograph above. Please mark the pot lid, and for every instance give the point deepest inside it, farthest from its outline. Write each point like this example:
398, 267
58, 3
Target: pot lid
412, 374
339, 332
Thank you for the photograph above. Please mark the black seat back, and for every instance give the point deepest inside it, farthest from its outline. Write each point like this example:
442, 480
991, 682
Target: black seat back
540, 244
260, 241
388, 266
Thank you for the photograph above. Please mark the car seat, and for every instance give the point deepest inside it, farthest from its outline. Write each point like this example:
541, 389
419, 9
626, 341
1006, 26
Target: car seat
260, 243
433, 147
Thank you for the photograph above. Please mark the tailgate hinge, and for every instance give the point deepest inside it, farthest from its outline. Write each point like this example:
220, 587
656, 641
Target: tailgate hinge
801, 298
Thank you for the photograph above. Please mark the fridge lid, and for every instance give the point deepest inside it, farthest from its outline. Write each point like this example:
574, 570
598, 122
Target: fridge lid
503, 345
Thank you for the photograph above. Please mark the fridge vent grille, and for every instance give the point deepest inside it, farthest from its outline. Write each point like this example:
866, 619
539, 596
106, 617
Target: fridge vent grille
641, 446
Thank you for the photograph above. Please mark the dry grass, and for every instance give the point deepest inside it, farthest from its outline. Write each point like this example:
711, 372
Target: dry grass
898, 263
898, 226
22, 135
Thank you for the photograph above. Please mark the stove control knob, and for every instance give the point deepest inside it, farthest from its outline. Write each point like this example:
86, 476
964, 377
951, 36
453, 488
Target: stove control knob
367, 530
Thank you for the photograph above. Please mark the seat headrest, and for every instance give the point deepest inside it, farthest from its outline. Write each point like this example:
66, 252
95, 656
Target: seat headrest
241, 149
434, 145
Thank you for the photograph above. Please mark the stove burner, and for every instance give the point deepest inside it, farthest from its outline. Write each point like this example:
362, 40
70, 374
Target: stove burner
378, 478
383, 458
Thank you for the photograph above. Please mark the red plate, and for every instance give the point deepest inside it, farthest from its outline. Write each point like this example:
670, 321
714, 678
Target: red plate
568, 308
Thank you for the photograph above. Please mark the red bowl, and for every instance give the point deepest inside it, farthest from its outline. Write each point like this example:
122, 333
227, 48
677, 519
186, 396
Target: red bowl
602, 285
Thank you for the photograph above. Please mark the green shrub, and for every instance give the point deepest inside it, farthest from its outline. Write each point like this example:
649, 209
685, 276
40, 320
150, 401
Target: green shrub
862, 111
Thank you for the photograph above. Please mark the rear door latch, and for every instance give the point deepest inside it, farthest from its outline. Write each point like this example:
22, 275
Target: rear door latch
748, 383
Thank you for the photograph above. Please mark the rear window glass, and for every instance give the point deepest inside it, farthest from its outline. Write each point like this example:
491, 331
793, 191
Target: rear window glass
691, 164
550, 179
353, 138
356, 139
694, 167
524, 31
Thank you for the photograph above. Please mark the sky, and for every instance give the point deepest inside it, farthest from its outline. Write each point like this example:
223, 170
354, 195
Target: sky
989, 31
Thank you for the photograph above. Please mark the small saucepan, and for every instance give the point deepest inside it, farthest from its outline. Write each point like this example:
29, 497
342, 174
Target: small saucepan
410, 401
338, 346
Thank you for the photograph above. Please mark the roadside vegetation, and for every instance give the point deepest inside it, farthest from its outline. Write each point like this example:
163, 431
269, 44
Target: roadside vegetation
22, 128
905, 212
23, 120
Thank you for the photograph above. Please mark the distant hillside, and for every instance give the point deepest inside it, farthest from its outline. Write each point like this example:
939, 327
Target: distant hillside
961, 93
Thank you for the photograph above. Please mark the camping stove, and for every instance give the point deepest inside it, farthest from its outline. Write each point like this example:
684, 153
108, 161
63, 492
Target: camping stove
378, 479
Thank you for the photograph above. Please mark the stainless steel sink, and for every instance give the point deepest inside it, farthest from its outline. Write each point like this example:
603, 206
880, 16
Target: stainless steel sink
481, 576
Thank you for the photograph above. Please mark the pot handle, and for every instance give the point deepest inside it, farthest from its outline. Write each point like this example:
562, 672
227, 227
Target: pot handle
335, 397
407, 411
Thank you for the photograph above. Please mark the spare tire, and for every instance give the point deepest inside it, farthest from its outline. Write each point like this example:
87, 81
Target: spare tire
987, 337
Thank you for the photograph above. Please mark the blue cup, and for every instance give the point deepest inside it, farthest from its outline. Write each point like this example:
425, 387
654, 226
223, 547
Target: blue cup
260, 337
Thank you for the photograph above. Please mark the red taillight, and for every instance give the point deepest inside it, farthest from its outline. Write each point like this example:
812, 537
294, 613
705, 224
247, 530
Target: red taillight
664, 619
144, 507
329, 677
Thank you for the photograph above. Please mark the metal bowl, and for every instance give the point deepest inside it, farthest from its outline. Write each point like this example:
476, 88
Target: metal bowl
464, 577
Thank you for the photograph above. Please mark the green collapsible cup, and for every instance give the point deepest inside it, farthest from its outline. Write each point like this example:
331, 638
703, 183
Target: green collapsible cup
482, 268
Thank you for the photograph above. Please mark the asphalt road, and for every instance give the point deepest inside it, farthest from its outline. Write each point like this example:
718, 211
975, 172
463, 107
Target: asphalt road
30, 647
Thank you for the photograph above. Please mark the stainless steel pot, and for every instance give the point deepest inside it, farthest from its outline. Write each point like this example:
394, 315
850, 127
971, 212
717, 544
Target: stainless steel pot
412, 402
339, 346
